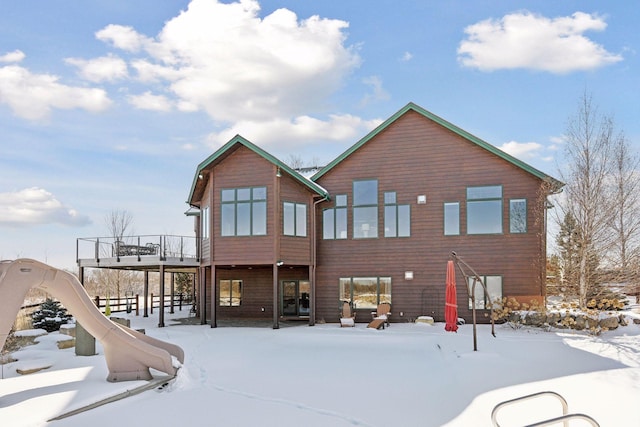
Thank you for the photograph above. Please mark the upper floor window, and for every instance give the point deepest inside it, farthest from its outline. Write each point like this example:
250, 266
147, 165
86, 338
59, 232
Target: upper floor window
518, 216
334, 220
365, 209
397, 218
244, 211
484, 210
294, 217
205, 222
452, 219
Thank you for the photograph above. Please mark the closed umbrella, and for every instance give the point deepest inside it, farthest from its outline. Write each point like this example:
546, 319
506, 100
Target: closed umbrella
451, 304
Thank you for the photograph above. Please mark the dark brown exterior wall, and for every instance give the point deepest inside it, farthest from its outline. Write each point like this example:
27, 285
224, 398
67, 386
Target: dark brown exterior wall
232, 256
415, 156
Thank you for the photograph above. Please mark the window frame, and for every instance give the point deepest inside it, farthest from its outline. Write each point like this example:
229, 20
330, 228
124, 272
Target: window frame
299, 224
230, 296
397, 217
248, 212
338, 215
365, 214
382, 283
496, 297
513, 223
448, 225
475, 226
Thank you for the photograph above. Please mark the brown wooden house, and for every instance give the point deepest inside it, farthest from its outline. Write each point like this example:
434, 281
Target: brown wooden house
377, 224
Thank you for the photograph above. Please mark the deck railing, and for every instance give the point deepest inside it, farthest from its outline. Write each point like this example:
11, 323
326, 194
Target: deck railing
161, 246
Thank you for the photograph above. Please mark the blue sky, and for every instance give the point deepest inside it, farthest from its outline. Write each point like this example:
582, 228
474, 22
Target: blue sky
111, 105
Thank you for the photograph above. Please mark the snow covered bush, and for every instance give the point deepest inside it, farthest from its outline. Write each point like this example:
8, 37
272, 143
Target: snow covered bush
50, 316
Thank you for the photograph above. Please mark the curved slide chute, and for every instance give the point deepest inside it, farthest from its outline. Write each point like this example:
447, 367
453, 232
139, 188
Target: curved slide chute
129, 354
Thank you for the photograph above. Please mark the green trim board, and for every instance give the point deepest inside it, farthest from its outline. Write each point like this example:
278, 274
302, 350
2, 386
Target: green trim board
259, 151
556, 185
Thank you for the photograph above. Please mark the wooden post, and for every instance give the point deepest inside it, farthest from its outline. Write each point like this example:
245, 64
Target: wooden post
137, 305
151, 302
172, 292
145, 301
161, 313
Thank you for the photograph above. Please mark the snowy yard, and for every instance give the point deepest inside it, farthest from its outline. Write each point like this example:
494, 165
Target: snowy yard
405, 375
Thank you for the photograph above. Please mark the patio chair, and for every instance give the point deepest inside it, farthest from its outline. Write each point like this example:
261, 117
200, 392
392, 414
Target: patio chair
383, 312
347, 315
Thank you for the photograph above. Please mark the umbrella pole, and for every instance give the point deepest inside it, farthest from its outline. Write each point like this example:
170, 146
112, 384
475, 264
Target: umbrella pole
476, 278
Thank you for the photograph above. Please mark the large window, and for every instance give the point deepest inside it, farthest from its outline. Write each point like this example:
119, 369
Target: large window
244, 211
365, 209
518, 216
494, 290
452, 219
294, 219
397, 218
334, 220
230, 293
365, 292
484, 210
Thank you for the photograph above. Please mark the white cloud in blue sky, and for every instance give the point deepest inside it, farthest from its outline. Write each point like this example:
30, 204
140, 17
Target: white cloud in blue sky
33, 206
532, 41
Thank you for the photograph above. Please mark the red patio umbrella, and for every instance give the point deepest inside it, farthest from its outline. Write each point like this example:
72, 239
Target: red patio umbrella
451, 304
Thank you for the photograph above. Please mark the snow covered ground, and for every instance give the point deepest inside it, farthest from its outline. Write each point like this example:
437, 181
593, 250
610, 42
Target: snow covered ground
405, 375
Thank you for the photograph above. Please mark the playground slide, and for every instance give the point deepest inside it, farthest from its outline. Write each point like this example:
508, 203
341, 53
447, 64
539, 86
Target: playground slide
128, 353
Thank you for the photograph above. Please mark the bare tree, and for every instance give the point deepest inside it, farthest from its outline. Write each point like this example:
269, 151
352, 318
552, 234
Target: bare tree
589, 150
625, 220
119, 225
294, 161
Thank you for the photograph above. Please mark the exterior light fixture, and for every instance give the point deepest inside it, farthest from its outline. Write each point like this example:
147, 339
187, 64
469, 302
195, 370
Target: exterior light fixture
280, 263
278, 174
200, 176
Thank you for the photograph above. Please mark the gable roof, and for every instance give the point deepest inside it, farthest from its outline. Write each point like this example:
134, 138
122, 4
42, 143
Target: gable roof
233, 144
556, 185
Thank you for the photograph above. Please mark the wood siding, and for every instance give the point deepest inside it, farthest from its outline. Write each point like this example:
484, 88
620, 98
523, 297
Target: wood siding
414, 156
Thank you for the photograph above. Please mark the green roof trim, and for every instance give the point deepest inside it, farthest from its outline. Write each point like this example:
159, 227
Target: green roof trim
455, 129
259, 151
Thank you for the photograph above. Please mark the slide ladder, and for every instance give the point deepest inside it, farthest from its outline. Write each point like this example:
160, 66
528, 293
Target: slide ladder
565, 417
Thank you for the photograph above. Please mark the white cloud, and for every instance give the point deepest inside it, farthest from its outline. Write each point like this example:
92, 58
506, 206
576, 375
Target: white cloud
33, 206
32, 96
407, 56
121, 37
15, 56
302, 129
106, 68
522, 150
377, 91
527, 40
226, 60
149, 101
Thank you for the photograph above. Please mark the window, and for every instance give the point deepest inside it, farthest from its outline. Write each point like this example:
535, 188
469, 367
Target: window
494, 289
294, 219
230, 293
244, 211
365, 292
205, 222
484, 210
365, 209
452, 219
334, 220
397, 218
518, 216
